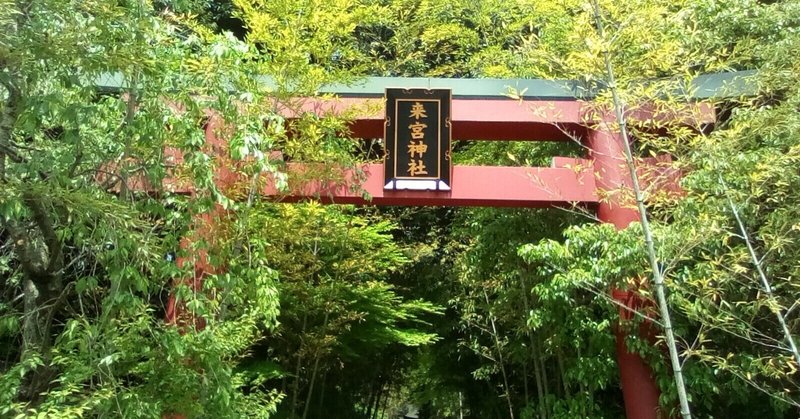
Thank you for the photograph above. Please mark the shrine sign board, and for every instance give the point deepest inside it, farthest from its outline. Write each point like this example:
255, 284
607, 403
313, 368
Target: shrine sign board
417, 134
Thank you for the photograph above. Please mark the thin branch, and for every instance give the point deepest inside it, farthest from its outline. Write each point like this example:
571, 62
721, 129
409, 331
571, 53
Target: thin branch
791, 309
760, 388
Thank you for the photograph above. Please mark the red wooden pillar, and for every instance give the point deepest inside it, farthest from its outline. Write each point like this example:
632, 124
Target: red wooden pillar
202, 228
617, 206
205, 227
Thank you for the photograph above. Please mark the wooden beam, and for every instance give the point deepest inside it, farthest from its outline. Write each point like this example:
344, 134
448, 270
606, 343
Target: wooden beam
472, 119
485, 186
500, 119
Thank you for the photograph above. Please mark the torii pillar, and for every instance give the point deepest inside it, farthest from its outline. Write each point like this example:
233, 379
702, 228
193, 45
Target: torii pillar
639, 389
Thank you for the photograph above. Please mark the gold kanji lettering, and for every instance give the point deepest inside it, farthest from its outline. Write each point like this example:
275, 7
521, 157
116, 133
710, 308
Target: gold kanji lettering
417, 148
417, 167
418, 111
417, 132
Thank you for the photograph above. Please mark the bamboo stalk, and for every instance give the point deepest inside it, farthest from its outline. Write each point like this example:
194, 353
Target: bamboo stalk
545, 381
296, 386
539, 384
787, 334
316, 368
658, 277
536, 372
562, 374
500, 357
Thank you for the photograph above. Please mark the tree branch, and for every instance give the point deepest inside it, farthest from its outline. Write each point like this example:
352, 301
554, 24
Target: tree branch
45, 223
7, 120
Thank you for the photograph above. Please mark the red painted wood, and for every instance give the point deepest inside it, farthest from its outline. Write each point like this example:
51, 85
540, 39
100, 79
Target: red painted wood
205, 228
471, 186
639, 388
612, 178
498, 119
472, 119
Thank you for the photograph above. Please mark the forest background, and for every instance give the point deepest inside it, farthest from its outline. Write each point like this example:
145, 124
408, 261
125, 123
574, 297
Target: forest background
351, 312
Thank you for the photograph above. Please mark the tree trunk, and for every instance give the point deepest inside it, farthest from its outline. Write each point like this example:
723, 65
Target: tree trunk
316, 368
541, 379
370, 400
562, 374
376, 408
298, 369
525, 381
39, 306
41, 259
500, 361
534, 348
545, 381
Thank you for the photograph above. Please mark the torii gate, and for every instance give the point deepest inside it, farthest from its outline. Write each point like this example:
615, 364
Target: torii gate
553, 111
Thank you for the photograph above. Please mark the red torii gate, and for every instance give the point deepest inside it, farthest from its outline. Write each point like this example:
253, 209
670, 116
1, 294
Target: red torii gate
569, 181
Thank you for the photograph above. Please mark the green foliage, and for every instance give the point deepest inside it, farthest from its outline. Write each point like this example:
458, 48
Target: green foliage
315, 310
85, 220
731, 343
309, 42
337, 310
555, 330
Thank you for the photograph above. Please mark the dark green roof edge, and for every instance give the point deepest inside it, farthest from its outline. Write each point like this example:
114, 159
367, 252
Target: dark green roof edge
476, 88
707, 86
724, 85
